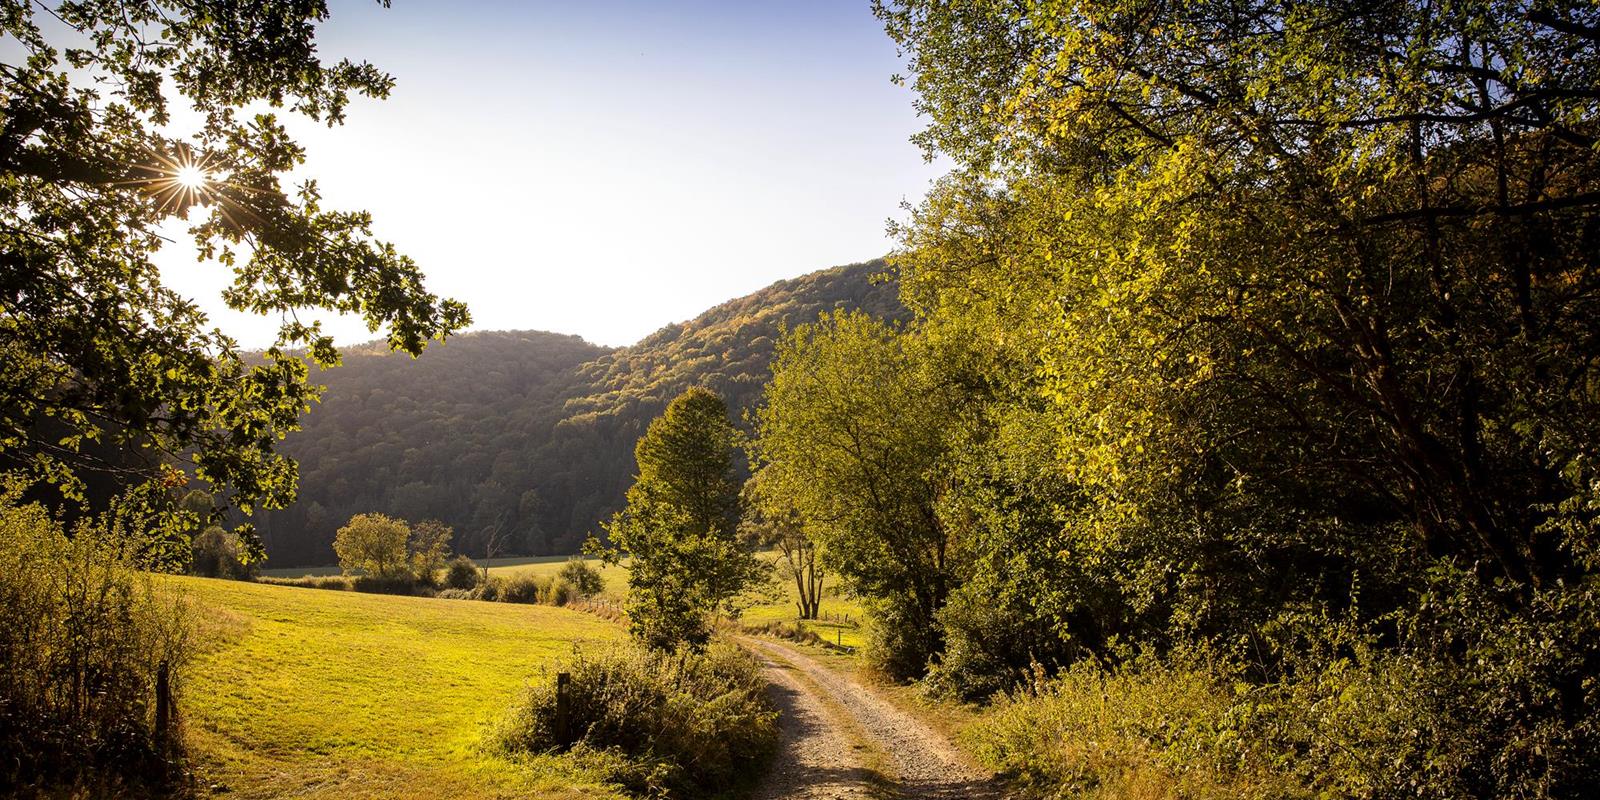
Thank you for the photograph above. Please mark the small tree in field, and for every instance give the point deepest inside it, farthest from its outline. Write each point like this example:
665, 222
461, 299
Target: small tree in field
771, 521
385, 547
680, 526
373, 544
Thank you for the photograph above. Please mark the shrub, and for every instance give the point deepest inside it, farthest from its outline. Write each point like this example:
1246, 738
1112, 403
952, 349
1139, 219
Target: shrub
82, 636
1148, 729
457, 594
214, 553
676, 724
899, 645
558, 592
1463, 701
491, 589
462, 573
338, 583
524, 589
583, 577
395, 584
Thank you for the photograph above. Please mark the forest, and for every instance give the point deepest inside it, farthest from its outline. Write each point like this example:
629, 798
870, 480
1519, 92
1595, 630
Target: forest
527, 435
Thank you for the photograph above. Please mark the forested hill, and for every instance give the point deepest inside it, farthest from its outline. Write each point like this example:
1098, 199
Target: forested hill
527, 432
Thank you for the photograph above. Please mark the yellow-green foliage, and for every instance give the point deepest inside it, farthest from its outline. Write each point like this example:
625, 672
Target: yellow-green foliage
82, 639
685, 724
615, 576
343, 694
1156, 732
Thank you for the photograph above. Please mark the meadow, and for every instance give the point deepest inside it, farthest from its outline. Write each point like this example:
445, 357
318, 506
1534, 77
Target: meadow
315, 694
773, 602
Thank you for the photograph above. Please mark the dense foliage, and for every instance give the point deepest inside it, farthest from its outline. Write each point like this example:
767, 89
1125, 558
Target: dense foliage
527, 436
660, 724
851, 437
1274, 333
381, 546
83, 636
110, 376
679, 529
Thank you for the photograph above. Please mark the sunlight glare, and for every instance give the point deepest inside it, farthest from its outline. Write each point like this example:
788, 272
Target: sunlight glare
192, 177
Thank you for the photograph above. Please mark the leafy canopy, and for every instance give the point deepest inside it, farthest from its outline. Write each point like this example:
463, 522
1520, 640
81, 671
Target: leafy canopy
679, 527
852, 438
108, 370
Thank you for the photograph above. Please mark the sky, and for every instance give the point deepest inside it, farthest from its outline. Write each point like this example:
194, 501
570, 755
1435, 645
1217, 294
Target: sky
607, 167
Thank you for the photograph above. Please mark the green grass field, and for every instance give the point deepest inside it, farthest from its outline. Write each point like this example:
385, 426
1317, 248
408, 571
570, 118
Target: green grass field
773, 603
776, 602
309, 693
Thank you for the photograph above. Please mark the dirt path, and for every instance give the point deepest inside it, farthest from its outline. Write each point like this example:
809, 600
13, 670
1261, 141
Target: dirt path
840, 740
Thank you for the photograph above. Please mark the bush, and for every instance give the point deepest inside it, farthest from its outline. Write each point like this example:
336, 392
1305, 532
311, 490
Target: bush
582, 577
214, 553
524, 589
1465, 700
899, 644
462, 573
396, 584
338, 583
558, 592
82, 636
675, 724
491, 589
457, 594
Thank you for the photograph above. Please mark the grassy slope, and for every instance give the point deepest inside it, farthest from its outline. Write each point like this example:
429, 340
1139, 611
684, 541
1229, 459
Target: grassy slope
311, 693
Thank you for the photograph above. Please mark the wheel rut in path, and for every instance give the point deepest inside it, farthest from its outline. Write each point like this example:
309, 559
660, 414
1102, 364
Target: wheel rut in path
841, 740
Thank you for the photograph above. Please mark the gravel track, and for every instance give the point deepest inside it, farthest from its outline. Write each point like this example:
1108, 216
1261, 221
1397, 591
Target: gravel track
841, 740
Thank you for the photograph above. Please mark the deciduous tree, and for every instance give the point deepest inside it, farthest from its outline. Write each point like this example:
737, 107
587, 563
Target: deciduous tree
679, 528
115, 121
852, 436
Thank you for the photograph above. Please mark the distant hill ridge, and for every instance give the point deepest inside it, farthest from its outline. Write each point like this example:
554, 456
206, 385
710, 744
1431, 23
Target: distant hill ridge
526, 432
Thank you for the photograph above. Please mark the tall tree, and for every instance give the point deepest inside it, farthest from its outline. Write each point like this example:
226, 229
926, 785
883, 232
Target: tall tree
1309, 290
852, 436
374, 544
679, 527
94, 161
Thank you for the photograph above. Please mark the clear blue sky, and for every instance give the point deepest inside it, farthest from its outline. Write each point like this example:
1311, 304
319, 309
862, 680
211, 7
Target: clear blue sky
606, 167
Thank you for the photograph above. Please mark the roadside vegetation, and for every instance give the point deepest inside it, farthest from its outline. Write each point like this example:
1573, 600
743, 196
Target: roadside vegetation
676, 724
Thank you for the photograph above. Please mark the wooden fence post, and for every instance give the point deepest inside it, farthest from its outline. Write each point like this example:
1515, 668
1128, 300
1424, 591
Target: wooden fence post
163, 705
563, 706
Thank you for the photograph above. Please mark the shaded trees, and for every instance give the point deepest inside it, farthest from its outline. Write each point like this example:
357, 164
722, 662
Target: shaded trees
1305, 297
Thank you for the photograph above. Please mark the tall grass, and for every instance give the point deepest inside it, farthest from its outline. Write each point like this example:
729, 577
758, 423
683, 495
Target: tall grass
83, 635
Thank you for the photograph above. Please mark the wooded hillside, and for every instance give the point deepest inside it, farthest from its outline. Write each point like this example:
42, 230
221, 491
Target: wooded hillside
527, 432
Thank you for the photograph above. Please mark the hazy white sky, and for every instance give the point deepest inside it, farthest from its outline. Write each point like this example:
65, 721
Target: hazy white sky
606, 167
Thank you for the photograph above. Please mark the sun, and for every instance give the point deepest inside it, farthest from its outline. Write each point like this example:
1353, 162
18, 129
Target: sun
190, 176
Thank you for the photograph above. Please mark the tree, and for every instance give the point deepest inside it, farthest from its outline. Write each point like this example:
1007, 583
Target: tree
99, 353
1305, 294
679, 527
852, 437
771, 523
373, 544
428, 545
